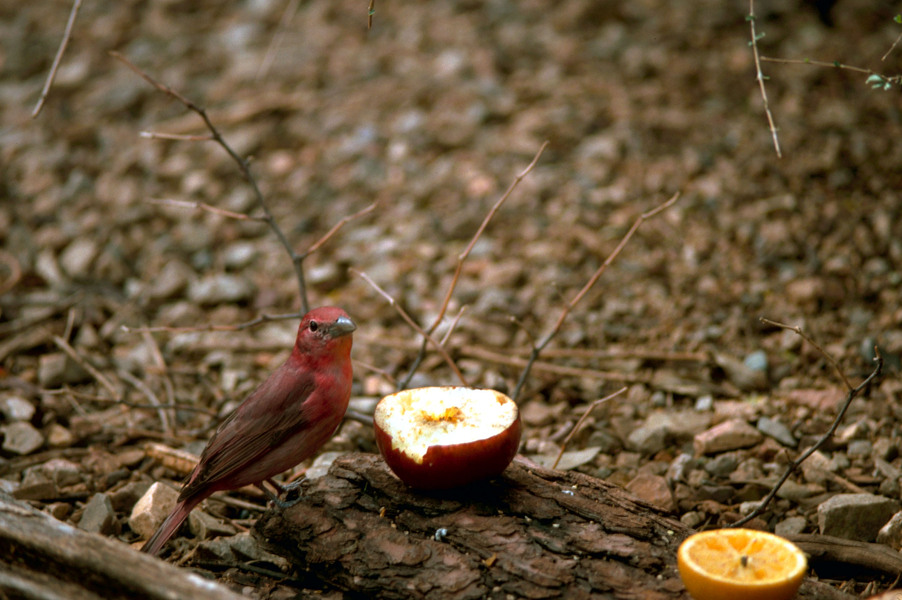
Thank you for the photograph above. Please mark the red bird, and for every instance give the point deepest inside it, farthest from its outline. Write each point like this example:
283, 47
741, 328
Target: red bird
284, 421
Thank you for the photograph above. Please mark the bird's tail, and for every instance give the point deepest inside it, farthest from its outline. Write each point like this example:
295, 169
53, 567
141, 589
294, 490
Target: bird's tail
170, 525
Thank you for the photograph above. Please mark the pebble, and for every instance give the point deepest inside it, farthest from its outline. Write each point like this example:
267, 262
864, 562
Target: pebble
204, 526
745, 378
859, 448
722, 465
98, 516
654, 490
648, 439
125, 497
791, 526
756, 361
61, 471
817, 468
153, 507
776, 430
239, 255
729, 435
170, 281
220, 289
21, 438
77, 258
59, 437
15, 408
57, 369
891, 533
855, 516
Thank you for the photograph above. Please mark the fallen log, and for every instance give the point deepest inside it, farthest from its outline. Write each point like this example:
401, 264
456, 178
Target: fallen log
531, 533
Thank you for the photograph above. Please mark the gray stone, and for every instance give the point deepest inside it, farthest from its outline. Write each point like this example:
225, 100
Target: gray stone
855, 516
153, 507
16, 408
777, 430
21, 438
78, 256
170, 281
859, 448
61, 471
791, 526
722, 465
98, 516
220, 289
648, 439
59, 437
205, 526
891, 533
57, 369
729, 435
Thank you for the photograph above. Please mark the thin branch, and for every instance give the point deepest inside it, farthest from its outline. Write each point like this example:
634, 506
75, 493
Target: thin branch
155, 135
203, 206
800, 333
853, 392
441, 349
287, 15
760, 77
154, 401
84, 364
57, 59
244, 167
891, 48
370, 11
341, 223
582, 419
537, 349
463, 256
264, 318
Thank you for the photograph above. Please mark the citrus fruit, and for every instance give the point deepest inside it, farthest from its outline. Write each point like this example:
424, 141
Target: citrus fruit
740, 564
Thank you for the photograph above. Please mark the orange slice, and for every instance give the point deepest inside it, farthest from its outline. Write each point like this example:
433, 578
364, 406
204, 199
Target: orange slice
740, 564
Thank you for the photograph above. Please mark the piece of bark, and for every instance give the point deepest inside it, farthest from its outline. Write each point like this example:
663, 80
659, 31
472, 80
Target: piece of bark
45, 559
832, 556
531, 533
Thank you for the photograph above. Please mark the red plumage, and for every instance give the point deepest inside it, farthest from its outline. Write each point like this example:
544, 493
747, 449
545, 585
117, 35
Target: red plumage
281, 423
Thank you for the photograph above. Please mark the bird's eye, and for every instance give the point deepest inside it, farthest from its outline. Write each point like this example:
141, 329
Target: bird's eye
313, 326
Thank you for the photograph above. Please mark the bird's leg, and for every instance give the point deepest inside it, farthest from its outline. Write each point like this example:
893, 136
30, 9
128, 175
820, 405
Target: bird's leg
285, 491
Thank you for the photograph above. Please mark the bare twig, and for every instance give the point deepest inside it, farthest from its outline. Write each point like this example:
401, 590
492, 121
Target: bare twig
853, 392
264, 318
370, 11
80, 361
341, 223
441, 349
151, 396
554, 369
760, 77
537, 349
897, 79
287, 15
160, 366
204, 207
154, 135
57, 59
891, 48
582, 419
244, 167
463, 256
800, 333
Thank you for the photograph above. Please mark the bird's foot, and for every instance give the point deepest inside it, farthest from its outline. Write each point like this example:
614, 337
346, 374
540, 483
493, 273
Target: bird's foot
287, 491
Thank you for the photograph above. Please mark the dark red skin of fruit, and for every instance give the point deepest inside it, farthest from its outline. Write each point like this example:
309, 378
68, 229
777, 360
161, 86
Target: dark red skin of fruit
454, 465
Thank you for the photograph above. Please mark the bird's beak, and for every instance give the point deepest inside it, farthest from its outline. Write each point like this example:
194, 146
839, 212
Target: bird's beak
342, 326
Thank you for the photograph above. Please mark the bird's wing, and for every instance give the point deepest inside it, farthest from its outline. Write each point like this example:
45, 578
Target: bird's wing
273, 412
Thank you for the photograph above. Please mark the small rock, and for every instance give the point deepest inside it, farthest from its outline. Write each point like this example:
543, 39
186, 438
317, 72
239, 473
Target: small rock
205, 526
56, 369
704, 403
21, 438
855, 516
692, 519
153, 507
885, 449
98, 516
817, 468
78, 256
680, 467
321, 464
891, 533
15, 408
648, 439
536, 413
47, 267
239, 255
61, 471
654, 490
859, 448
170, 281
791, 490
777, 430
59, 437
756, 361
722, 465
59, 510
791, 526
220, 289
729, 435
745, 378
125, 498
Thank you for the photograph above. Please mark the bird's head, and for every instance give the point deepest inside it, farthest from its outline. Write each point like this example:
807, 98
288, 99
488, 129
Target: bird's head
325, 330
